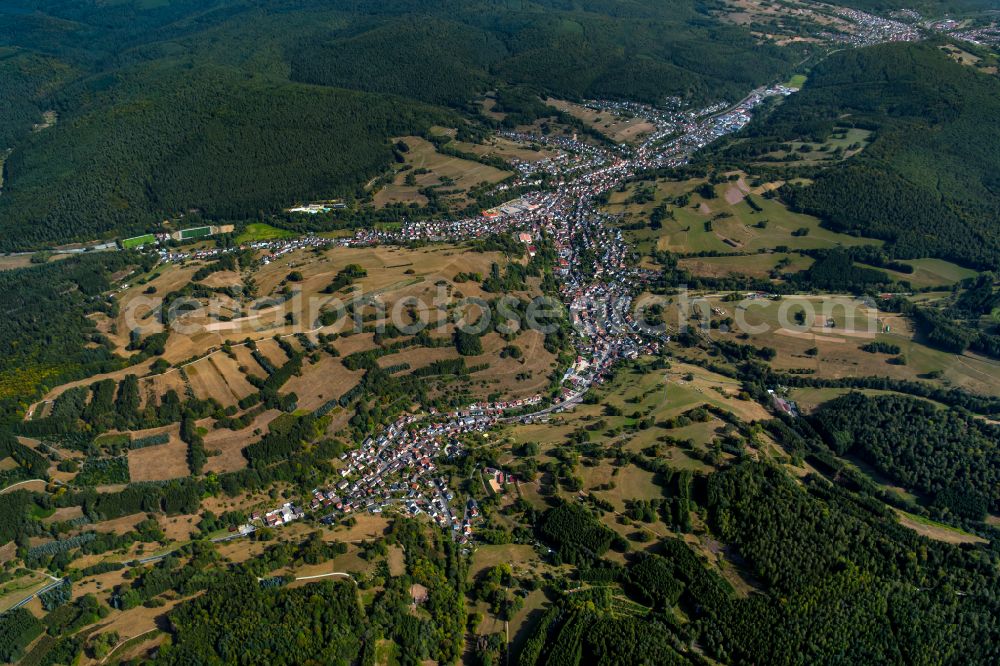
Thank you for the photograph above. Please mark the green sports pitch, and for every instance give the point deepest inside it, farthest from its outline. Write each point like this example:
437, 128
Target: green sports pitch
195, 232
138, 241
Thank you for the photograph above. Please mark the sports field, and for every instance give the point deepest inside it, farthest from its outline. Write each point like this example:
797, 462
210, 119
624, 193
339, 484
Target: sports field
195, 232
138, 241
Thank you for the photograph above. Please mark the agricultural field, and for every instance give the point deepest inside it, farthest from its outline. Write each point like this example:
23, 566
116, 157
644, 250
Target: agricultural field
754, 265
392, 275
159, 463
620, 128
229, 343
828, 341
260, 231
452, 176
724, 223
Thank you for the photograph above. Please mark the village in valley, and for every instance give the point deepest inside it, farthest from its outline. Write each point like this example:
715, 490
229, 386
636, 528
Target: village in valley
591, 326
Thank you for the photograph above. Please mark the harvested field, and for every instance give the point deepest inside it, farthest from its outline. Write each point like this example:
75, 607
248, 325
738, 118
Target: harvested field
64, 513
153, 388
218, 376
178, 528
272, 352
620, 128
230, 443
139, 620
754, 265
161, 462
245, 360
34, 485
433, 169
223, 279
122, 525
321, 382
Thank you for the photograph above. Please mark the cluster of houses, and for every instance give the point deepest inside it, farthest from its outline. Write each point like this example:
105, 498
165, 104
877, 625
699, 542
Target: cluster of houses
871, 29
397, 467
283, 515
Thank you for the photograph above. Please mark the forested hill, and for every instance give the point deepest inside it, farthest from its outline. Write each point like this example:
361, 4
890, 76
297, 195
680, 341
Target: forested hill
930, 181
928, 7
600, 48
238, 107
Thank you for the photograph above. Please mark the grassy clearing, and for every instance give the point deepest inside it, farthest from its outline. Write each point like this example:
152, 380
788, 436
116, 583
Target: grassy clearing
396, 560
755, 265
932, 273
657, 395
935, 530
452, 176
725, 222
505, 149
617, 127
834, 351
488, 556
796, 81
386, 653
259, 231
843, 143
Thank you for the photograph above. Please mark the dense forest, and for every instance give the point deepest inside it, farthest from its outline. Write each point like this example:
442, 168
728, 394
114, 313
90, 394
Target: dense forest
845, 579
174, 107
45, 335
162, 139
320, 624
948, 454
835, 580
928, 182
597, 49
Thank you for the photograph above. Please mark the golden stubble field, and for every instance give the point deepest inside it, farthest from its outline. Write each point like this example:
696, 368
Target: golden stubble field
620, 128
400, 281
828, 341
395, 277
451, 174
